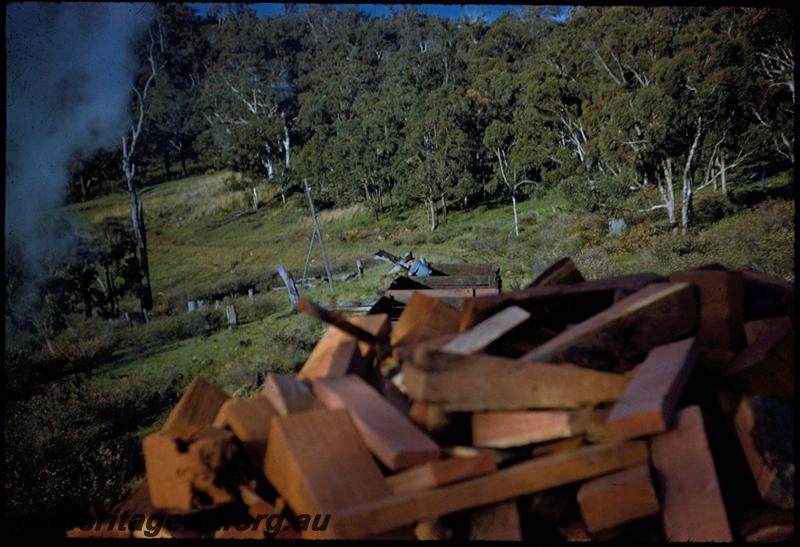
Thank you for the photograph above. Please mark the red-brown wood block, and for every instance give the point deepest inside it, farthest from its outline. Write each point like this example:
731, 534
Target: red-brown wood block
249, 420
648, 404
507, 429
317, 461
388, 434
766, 367
691, 502
424, 318
287, 394
618, 498
441, 472
196, 409
721, 306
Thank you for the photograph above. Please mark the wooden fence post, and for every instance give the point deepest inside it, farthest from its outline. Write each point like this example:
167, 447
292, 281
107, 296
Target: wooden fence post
290, 286
319, 235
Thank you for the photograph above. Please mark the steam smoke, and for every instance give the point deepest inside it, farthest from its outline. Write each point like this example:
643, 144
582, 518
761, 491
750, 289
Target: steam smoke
69, 70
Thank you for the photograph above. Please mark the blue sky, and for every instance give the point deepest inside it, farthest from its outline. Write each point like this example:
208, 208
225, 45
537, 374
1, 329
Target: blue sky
487, 11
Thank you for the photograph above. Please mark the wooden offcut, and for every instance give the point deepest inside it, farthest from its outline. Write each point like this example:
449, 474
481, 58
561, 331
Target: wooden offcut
721, 306
441, 472
765, 367
648, 405
618, 498
692, 505
288, 394
388, 434
424, 318
317, 461
249, 419
517, 480
765, 427
484, 333
503, 429
655, 315
183, 474
483, 382
196, 409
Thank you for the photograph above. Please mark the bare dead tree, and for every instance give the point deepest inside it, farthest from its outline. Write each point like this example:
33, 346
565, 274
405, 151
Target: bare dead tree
513, 184
129, 168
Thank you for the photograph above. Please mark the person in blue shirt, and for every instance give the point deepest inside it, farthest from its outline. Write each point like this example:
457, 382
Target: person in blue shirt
418, 267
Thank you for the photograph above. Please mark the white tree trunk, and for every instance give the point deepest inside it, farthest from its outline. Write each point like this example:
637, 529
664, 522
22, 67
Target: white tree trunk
255, 198
516, 218
432, 212
667, 191
722, 178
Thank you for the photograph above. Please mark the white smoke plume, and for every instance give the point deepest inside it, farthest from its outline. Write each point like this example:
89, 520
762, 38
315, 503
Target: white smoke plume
69, 72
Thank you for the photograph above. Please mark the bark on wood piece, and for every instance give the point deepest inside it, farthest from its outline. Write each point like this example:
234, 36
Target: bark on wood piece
422, 319
428, 416
317, 461
484, 382
484, 333
721, 307
766, 367
618, 498
498, 522
249, 419
517, 480
288, 394
648, 405
765, 427
396, 441
692, 505
623, 333
404, 353
441, 472
506, 429
189, 474
563, 272
197, 408
556, 306
766, 296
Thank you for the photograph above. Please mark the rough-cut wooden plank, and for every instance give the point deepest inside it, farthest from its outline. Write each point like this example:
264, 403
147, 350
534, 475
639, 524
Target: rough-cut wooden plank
424, 318
249, 420
563, 272
648, 405
287, 394
655, 315
692, 505
196, 409
557, 447
377, 324
388, 434
517, 480
441, 472
721, 306
766, 367
339, 321
765, 427
498, 522
318, 463
507, 429
335, 354
184, 474
484, 382
618, 498
556, 306
592, 423
484, 333
433, 530
766, 296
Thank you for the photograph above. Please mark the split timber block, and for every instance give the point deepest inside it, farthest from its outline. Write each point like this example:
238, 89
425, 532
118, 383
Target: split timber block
424, 318
618, 498
766, 367
441, 472
498, 522
563, 272
484, 333
504, 429
249, 419
196, 409
692, 505
766, 296
288, 395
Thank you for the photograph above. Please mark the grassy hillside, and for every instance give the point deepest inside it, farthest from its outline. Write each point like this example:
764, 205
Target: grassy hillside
88, 422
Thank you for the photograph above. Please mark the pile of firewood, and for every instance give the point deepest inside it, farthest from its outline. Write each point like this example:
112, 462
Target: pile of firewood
635, 407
